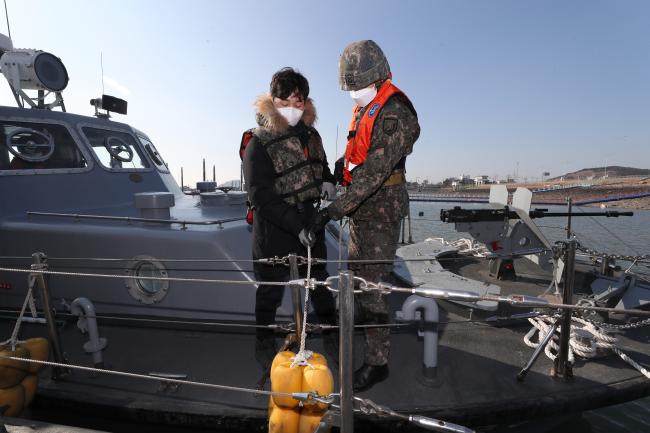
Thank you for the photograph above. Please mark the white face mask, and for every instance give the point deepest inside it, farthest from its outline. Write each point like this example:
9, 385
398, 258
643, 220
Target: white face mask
364, 96
292, 114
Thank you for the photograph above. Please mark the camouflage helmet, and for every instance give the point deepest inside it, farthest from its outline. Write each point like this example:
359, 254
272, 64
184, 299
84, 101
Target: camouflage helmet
361, 64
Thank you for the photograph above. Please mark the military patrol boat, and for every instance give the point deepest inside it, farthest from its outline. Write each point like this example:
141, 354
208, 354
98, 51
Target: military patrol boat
147, 296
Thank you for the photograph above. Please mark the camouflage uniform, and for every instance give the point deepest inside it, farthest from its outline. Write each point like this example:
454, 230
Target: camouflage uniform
375, 213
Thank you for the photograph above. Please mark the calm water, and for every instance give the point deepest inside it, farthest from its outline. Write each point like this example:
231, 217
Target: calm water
631, 236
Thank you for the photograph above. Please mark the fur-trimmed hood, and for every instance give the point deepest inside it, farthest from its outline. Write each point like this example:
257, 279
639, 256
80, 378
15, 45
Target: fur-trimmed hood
269, 117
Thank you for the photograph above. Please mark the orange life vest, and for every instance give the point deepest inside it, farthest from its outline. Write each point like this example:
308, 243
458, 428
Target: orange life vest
359, 136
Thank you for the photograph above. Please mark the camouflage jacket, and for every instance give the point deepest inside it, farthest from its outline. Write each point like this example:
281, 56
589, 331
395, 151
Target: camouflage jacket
393, 135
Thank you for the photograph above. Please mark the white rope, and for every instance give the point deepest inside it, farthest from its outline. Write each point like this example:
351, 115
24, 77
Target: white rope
632, 362
302, 357
590, 344
464, 246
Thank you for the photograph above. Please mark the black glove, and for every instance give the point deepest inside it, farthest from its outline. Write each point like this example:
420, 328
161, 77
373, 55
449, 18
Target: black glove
317, 224
319, 220
338, 170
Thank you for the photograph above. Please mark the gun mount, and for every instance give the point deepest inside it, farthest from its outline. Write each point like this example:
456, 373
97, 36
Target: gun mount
509, 230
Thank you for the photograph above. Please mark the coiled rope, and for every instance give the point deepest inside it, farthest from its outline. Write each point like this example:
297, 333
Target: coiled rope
587, 340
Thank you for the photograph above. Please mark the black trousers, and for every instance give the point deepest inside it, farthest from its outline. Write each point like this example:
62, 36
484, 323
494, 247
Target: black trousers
268, 298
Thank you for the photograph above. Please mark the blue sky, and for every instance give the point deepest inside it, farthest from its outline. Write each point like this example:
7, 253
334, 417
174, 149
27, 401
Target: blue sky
543, 85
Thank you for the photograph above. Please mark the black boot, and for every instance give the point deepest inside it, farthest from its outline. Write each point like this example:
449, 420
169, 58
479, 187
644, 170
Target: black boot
368, 375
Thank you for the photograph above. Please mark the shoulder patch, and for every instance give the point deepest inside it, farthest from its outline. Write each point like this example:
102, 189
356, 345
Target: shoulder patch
373, 110
390, 125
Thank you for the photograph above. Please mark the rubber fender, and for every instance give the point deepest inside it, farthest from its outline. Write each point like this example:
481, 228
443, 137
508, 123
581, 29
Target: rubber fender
317, 379
309, 421
282, 357
271, 406
29, 384
283, 420
317, 359
287, 379
12, 400
12, 372
39, 349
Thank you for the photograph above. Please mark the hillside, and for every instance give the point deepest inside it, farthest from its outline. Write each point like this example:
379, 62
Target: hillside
599, 172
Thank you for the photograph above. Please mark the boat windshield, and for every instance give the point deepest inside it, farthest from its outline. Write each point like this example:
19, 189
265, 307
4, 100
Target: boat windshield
115, 150
28, 146
153, 154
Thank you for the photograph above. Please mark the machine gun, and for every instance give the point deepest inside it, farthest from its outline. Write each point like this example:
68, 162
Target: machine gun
460, 215
509, 230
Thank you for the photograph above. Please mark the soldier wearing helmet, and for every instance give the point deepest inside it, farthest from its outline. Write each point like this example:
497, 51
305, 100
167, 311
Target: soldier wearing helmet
382, 132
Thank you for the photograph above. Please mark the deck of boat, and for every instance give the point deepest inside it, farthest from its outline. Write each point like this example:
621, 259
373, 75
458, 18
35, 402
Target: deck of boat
475, 384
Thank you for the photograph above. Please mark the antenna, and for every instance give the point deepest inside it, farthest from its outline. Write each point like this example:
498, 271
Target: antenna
101, 64
336, 154
7, 16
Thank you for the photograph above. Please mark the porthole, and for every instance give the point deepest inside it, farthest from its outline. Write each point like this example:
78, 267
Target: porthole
140, 286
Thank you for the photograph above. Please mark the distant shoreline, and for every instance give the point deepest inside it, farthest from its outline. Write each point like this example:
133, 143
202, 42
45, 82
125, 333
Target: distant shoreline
598, 192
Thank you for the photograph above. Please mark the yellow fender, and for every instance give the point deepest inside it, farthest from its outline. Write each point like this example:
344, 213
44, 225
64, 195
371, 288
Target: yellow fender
13, 372
284, 420
317, 379
29, 384
280, 358
271, 405
284, 414
317, 359
39, 349
309, 420
12, 400
287, 379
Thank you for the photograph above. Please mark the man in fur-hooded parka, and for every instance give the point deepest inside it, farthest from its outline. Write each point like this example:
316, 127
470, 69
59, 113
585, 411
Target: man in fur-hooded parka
278, 220
285, 200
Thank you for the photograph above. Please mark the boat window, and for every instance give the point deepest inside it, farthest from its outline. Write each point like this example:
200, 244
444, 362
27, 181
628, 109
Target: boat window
37, 146
141, 285
114, 149
153, 154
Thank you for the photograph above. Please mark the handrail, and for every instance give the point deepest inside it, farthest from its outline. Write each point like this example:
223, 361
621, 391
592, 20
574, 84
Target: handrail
135, 219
